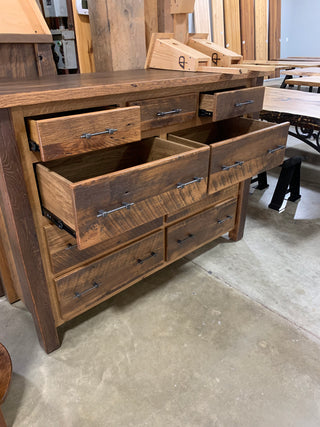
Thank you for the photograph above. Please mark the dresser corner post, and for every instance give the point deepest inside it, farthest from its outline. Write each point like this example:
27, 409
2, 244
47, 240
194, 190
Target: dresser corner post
20, 226
237, 232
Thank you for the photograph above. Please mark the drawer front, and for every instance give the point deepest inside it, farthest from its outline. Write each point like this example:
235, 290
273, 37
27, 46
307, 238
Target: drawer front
64, 253
156, 113
240, 158
90, 285
115, 204
211, 200
188, 235
80, 133
234, 103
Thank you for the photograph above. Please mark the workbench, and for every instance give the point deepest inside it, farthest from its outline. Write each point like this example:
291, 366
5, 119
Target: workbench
107, 178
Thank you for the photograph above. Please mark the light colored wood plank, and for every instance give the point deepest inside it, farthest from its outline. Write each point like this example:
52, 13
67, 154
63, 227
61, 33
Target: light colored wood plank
247, 28
222, 70
261, 29
151, 19
202, 20
181, 6
305, 81
307, 71
232, 25
218, 22
165, 19
274, 28
84, 41
118, 34
180, 27
220, 56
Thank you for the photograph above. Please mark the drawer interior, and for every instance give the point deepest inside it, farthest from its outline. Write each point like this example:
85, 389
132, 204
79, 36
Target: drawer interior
221, 131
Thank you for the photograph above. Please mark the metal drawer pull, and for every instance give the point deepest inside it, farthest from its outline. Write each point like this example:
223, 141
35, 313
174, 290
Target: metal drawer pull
221, 221
226, 168
280, 147
240, 104
180, 241
103, 213
164, 113
94, 286
184, 184
89, 135
71, 246
141, 261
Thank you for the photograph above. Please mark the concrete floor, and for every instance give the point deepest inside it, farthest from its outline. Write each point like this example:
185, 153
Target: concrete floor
228, 336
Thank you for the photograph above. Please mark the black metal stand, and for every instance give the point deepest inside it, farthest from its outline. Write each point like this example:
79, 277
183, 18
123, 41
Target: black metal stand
262, 181
289, 177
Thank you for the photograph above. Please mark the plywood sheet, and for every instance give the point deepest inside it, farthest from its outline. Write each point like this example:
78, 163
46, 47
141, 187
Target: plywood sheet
118, 34
261, 29
274, 28
247, 28
202, 21
218, 22
232, 25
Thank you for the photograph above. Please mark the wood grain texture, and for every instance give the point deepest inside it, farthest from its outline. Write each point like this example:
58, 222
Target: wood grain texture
222, 57
152, 109
242, 204
109, 275
247, 29
218, 22
181, 6
232, 25
151, 19
5, 372
188, 235
84, 41
305, 71
62, 136
18, 61
114, 49
165, 19
181, 27
19, 223
274, 29
202, 21
261, 29
234, 103
305, 81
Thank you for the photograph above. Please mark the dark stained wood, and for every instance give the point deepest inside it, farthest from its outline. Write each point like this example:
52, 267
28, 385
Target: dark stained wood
188, 235
64, 252
62, 136
247, 28
19, 222
242, 204
235, 103
44, 59
109, 274
150, 109
1, 288
5, 378
17, 61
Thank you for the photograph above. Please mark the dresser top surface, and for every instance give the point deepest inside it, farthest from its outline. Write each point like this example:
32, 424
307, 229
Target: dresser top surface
78, 86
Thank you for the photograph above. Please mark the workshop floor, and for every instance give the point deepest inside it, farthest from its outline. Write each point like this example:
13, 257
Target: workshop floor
228, 336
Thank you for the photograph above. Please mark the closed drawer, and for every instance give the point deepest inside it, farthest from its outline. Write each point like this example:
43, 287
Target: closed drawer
103, 194
240, 148
156, 113
80, 133
190, 234
88, 286
233, 103
64, 253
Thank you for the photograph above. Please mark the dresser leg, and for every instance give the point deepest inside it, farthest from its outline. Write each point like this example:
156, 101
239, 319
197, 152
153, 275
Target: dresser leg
237, 233
20, 227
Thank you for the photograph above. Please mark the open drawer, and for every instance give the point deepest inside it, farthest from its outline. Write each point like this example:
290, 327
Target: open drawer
240, 148
74, 134
232, 103
106, 193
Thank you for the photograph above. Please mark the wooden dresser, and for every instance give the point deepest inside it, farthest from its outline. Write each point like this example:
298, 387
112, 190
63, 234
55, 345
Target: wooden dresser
107, 178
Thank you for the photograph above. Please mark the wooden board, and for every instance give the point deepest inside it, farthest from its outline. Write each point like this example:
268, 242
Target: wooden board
305, 81
261, 29
84, 41
274, 28
181, 6
165, 19
218, 22
247, 28
202, 21
23, 22
307, 71
232, 25
118, 34
151, 19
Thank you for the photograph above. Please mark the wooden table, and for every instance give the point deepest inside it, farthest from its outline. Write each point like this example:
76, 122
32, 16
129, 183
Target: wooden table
301, 109
311, 81
302, 71
93, 200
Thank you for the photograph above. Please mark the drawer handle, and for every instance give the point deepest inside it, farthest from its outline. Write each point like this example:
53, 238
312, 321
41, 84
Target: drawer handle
280, 147
89, 135
226, 168
79, 294
165, 113
240, 104
141, 261
221, 221
184, 184
103, 213
181, 241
